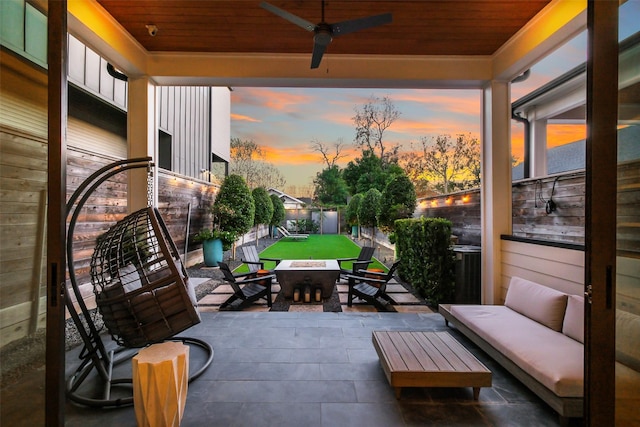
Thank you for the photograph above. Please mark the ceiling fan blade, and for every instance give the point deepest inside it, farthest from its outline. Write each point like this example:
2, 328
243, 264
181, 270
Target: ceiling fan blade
316, 56
302, 23
346, 27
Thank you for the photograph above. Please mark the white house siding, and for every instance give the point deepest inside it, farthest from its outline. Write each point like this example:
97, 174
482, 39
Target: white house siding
558, 268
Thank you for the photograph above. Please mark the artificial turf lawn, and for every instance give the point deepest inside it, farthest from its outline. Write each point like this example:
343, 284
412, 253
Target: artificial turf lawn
327, 246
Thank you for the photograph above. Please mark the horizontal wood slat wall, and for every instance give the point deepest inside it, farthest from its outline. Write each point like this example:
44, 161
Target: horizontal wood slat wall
565, 224
175, 192
23, 166
530, 219
462, 209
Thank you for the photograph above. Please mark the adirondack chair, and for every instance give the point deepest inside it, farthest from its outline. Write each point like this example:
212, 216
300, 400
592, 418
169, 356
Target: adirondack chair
359, 263
246, 288
254, 261
371, 287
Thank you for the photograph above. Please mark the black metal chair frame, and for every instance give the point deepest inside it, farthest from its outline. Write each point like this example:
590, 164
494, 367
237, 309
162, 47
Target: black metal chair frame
247, 288
371, 286
94, 354
254, 261
359, 263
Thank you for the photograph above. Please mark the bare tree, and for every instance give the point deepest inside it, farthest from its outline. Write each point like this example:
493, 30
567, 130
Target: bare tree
413, 164
329, 159
247, 160
446, 159
372, 120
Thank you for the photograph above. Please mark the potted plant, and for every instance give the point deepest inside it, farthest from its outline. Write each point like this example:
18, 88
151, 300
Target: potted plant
233, 212
214, 243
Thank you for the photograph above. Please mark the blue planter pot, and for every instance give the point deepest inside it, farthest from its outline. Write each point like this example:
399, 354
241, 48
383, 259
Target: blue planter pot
212, 251
354, 231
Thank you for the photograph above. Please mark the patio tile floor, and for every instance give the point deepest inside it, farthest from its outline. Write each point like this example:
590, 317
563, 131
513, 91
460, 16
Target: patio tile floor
305, 369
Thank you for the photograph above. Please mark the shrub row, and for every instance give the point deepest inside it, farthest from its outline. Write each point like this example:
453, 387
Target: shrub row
428, 261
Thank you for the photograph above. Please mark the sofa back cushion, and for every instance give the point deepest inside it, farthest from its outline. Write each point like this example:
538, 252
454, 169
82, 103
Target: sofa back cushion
537, 302
573, 324
627, 339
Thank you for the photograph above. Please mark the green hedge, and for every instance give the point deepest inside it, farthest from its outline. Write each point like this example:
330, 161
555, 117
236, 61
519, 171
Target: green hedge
424, 246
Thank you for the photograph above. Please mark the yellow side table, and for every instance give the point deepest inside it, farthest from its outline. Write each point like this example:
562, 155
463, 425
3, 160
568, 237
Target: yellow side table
160, 381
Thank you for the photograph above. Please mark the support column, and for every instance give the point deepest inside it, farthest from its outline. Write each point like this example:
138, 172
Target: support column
495, 202
141, 140
538, 149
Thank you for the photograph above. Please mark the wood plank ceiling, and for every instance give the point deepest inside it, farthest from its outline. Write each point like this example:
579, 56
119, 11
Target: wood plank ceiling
419, 27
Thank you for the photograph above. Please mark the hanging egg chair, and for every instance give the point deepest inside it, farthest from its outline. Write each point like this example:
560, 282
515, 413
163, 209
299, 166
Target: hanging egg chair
142, 289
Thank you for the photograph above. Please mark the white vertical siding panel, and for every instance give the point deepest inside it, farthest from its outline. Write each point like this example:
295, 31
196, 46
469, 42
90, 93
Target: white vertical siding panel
120, 93
163, 107
76, 60
106, 81
92, 71
171, 110
220, 122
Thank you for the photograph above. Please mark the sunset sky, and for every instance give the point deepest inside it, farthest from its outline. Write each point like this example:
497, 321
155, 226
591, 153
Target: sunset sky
284, 121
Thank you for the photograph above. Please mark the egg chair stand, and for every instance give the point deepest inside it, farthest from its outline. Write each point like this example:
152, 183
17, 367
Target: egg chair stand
141, 290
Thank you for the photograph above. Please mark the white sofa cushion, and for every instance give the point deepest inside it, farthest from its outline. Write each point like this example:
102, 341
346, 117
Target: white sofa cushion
628, 339
552, 358
573, 324
537, 302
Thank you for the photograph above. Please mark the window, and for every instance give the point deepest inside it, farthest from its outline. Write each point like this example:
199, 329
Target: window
164, 150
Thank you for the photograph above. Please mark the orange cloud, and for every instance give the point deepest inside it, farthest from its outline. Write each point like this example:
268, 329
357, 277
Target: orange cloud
467, 102
431, 127
270, 98
302, 154
241, 117
560, 134
294, 155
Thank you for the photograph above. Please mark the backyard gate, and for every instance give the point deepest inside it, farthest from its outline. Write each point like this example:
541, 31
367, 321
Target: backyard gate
327, 220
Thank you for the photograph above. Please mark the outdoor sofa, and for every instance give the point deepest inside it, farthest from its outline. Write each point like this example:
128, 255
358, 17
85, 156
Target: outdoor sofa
538, 336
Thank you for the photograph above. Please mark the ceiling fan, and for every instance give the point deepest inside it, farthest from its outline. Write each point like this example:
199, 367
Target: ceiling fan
324, 32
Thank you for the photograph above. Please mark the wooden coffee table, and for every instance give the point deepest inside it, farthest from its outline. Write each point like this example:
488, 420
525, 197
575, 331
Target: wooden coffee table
428, 359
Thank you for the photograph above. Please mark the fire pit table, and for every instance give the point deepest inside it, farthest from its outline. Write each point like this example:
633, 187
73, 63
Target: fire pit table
315, 277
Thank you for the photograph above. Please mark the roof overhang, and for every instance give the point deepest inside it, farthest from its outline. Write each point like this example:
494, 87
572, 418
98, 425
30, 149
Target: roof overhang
557, 22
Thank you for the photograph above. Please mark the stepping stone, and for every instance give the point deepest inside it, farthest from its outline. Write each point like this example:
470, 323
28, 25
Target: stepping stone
404, 298
213, 299
395, 288
223, 289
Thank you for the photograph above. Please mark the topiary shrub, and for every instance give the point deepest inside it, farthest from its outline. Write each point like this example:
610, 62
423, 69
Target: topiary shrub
428, 261
263, 206
398, 202
279, 213
369, 208
352, 209
233, 209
